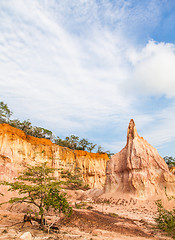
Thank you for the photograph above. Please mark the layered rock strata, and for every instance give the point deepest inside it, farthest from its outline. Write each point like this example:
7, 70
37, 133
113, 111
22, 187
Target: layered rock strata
138, 169
18, 149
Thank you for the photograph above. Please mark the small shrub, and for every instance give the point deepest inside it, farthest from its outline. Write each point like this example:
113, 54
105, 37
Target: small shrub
113, 214
165, 219
80, 205
89, 208
86, 187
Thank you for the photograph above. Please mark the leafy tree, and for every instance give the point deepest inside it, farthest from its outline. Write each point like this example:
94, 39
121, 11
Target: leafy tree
100, 149
41, 133
15, 123
26, 126
5, 113
91, 147
83, 143
39, 188
109, 154
72, 141
47, 133
170, 161
61, 142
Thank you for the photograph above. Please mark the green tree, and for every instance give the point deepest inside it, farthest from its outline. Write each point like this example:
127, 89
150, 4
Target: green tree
41, 132
5, 113
72, 141
26, 126
47, 133
60, 142
15, 123
83, 143
39, 188
91, 147
109, 154
170, 161
100, 149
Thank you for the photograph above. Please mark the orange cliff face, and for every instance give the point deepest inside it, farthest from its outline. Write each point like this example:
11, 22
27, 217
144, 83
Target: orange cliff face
18, 149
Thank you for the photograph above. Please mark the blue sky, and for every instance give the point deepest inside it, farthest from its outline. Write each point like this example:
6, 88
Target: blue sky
87, 67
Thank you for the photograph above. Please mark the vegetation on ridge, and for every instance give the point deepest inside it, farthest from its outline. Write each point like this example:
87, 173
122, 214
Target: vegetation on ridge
72, 142
170, 161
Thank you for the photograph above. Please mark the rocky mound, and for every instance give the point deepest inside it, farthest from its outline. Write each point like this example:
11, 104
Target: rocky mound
138, 169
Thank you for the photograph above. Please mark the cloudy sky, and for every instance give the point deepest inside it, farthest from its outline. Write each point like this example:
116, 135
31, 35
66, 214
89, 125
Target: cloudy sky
86, 67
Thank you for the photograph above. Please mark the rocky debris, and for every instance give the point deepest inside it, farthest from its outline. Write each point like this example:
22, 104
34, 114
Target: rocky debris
138, 169
26, 236
18, 149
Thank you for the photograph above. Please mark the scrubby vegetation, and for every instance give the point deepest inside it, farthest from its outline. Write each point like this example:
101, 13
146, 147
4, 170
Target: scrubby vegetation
170, 161
26, 125
72, 141
165, 219
74, 179
38, 187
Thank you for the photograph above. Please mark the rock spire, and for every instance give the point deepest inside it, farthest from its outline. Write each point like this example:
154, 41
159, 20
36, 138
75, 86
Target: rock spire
138, 169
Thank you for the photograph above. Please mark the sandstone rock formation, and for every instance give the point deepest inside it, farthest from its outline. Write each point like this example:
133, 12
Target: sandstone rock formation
138, 169
18, 149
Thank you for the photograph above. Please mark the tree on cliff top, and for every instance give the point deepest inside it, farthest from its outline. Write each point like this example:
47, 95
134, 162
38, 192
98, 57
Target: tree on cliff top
5, 113
170, 161
72, 141
26, 125
39, 188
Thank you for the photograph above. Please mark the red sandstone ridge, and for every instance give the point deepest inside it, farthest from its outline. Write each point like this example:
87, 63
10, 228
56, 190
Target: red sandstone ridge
138, 169
18, 149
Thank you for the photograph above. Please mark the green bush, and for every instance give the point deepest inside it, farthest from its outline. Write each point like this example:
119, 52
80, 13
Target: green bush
165, 219
89, 208
113, 214
81, 205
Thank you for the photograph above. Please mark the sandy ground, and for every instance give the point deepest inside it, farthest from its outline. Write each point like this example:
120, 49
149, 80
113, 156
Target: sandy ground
92, 219
102, 222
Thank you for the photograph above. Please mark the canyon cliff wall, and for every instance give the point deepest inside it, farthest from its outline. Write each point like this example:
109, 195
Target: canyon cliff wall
18, 149
138, 169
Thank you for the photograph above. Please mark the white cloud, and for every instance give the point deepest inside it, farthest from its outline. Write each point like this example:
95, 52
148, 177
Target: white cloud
63, 65
154, 70
82, 78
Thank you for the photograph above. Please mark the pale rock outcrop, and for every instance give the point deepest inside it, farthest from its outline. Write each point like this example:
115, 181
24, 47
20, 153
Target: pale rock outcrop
138, 169
26, 236
18, 149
